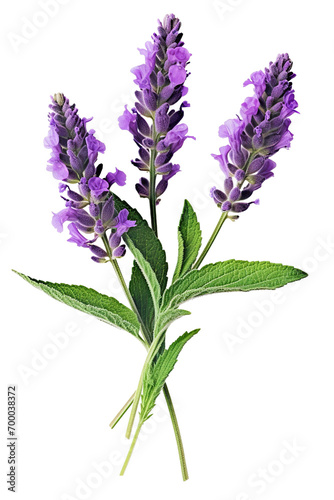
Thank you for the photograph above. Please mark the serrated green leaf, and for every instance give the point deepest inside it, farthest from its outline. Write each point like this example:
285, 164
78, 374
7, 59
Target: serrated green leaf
148, 273
228, 276
155, 378
189, 240
180, 254
165, 318
143, 299
90, 301
144, 239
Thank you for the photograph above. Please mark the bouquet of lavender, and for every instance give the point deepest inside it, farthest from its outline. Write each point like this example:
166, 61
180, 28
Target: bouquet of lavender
106, 225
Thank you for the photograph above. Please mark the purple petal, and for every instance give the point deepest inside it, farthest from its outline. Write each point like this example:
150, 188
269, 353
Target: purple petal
118, 177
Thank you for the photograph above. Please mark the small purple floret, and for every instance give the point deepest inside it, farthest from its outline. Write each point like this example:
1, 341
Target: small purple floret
76, 236
98, 186
123, 224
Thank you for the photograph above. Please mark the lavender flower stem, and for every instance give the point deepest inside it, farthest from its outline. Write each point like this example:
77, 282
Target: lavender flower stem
212, 238
175, 424
126, 291
167, 395
131, 448
122, 412
152, 352
221, 221
185, 475
130, 299
177, 433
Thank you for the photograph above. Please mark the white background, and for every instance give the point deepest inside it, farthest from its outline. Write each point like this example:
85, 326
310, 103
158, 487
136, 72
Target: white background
238, 402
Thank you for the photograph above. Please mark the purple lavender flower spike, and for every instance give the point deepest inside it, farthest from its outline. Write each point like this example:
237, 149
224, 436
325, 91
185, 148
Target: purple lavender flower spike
72, 147
74, 153
161, 85
262, 130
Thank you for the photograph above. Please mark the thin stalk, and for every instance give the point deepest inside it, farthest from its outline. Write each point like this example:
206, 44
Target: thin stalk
154, 225
122, 412
129, 297
177, 433
175, 424
131, 448
222, 219
152, 352
121, 279
212, 238
147, 345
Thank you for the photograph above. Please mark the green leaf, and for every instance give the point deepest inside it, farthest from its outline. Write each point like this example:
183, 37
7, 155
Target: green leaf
91, 302
149, 274
189, 239
143, 238
142, 297
229, 276
146, 241
165, 318
155, 378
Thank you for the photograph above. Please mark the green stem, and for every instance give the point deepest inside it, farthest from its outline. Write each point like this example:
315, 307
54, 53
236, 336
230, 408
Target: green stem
152, 352
122, 412
131, 448
121, 279
212, 238
175, 424
148, 339
177, 433
124, 285
154, 225
222, 219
